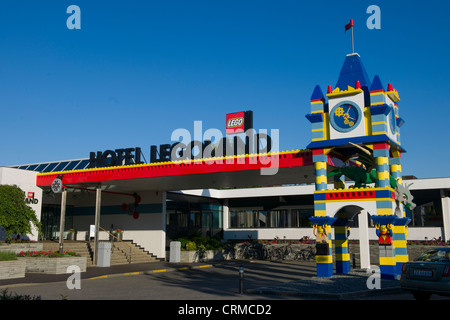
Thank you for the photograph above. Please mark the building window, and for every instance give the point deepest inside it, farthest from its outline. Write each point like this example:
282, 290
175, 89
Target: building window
283, 218
426, 215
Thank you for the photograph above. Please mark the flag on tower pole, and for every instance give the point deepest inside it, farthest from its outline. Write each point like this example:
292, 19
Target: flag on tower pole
350, 26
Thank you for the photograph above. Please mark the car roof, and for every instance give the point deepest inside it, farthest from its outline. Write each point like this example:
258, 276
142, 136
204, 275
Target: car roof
440, 248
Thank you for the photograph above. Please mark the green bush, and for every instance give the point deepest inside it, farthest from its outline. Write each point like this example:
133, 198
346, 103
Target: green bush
7, 255
195, 241
191, 246
4, 295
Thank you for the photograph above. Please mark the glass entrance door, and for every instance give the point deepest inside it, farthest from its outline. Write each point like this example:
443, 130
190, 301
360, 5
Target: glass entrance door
50, 218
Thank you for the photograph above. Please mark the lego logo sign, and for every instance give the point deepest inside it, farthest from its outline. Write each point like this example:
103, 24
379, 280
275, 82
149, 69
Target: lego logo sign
232, 123
235, 122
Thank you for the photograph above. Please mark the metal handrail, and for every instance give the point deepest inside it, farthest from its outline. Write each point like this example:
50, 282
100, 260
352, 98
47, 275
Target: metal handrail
129, 260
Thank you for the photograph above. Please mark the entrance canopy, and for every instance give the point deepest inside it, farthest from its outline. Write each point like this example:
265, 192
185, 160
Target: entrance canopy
286, 167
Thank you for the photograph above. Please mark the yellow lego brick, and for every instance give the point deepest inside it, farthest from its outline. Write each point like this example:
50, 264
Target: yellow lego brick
320, 165
321, 179
324, 259
382, 160
320, 213
399, 243
383, 175
402, 258
342, 256
341, 243
387, 261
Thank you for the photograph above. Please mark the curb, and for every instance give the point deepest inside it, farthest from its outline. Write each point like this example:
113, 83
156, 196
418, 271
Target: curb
149, 272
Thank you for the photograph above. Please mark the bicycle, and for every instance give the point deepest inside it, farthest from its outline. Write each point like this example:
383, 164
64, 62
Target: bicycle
308, 254
200, 254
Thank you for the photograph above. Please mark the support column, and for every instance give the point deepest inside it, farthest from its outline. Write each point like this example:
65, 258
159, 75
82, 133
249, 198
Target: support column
62, 219
445, 201
98, 201
385, 230
381, 154
225, 215
364, 246
341, 249
324, 258
321, 222
400, 247
399, 236
321, 175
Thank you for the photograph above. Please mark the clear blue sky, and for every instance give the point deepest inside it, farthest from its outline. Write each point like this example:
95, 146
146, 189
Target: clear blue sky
137, 70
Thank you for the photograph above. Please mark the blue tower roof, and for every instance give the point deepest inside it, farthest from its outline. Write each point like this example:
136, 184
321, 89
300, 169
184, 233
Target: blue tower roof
376, 84
353, 70
317, 93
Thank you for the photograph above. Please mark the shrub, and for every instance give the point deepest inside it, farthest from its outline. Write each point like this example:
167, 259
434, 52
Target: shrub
4, 295
191, 246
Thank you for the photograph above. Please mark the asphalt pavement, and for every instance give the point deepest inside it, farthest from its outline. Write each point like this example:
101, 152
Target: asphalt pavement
262, 278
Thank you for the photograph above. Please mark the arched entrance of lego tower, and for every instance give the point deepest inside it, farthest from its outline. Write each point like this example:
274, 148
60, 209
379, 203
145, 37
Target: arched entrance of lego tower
351, 218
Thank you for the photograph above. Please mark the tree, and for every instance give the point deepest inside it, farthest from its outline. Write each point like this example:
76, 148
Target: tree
15, 215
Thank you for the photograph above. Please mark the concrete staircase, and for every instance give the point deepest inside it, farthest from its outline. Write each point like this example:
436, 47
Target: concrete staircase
120, 251
79, 247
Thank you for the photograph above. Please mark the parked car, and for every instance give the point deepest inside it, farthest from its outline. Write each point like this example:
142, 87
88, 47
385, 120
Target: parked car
428, 274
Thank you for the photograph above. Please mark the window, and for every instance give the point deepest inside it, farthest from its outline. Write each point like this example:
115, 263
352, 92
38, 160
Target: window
282, 218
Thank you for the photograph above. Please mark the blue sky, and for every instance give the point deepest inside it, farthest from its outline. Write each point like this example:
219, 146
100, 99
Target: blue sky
137, 70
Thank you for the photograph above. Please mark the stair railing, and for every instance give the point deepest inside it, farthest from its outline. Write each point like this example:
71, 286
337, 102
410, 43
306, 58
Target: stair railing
129, 260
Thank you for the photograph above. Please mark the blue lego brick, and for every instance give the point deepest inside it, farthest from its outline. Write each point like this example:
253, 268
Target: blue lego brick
384, 204
380, 128
321, 205
324, 269
388, 272
401, 251
317, 107
400, 122
384, 167
378, 98
343, 267
378, 118
317, 135
316, 125
340, 250
320, 158
394, 161
381, 153
321, 172
321, 186
315, 117
381, 109
383, 194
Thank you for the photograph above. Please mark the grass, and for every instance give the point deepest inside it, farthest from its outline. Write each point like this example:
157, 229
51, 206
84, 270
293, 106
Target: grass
7, 256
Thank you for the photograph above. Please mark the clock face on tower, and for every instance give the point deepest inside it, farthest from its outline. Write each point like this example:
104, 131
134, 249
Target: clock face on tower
345, 116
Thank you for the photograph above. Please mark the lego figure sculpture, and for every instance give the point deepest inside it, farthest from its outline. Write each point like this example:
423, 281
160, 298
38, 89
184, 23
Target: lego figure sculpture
384, 233
321, 234
322, 246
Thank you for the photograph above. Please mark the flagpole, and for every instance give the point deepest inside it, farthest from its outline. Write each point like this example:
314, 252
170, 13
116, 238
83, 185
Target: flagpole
353, 44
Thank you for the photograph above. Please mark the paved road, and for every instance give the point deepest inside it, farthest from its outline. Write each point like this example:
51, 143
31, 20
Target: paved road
165, 281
